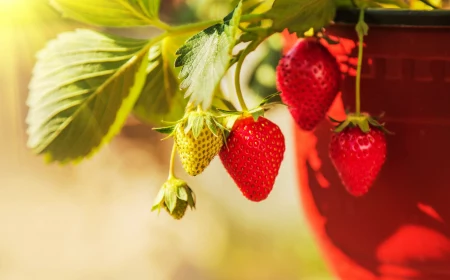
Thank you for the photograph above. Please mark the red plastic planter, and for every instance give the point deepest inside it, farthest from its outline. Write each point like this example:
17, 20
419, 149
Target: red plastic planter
400, 229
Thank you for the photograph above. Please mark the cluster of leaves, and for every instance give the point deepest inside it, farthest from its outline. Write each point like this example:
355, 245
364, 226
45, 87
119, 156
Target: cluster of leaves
86, 83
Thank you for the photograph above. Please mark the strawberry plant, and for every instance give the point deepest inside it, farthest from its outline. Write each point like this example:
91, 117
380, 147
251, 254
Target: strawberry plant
86, 83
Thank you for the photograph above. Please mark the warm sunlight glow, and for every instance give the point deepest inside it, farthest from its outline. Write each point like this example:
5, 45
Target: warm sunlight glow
10, 5
21, 11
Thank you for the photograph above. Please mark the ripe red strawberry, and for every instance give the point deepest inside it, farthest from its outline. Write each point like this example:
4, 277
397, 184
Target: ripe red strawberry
253, 155
309, 78
358, 157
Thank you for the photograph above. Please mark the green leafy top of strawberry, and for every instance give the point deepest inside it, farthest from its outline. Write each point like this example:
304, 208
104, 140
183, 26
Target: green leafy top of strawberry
258, 111
363, 121
194, 121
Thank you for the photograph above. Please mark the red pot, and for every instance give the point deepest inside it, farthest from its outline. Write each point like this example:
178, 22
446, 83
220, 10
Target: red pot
400, 229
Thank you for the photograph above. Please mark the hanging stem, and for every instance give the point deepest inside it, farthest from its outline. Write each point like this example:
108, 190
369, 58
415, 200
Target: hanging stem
172, 163
237, 77
361, 33
237, 82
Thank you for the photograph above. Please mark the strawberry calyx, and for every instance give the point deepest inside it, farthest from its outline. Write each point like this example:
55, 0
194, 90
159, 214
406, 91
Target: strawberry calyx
258, 111
364, 121
175, 196
194, 121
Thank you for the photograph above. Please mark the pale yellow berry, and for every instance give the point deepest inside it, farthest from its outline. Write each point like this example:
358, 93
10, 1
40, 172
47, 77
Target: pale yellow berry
197, 153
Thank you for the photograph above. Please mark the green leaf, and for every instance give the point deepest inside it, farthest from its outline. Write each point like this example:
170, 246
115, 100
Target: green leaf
149, 7
170, 198
182, 193
158, 200
302, 15
84, 86
197, 124
229, 112
364, 126
161, 100
211, 125
114, 13
156, 207
191, 198
205, 58
272, 97
165, 129
257, 113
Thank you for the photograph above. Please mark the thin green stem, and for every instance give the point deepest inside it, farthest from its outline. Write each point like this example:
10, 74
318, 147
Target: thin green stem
172, 162
197, 26
237, 77
237, 82
359, 67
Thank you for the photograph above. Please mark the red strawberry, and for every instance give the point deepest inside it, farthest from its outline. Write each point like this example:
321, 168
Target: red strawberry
358, 157
309, 78
253, 156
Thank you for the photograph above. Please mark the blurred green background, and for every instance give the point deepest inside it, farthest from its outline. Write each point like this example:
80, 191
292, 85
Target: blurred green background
93, 220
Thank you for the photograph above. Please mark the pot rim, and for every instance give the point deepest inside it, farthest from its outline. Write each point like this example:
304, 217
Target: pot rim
395, 17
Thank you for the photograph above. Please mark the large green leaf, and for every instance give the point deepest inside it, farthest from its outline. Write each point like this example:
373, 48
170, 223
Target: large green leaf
301, 15
84, 86
205, 58
114, 13
161, 99
150, 7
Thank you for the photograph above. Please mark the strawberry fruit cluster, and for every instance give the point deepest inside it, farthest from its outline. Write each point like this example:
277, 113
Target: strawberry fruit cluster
309, 79
252, 148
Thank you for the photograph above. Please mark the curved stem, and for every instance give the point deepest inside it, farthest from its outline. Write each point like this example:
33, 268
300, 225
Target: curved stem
237, 82
359, 67
205, 24
172, 163
237, 77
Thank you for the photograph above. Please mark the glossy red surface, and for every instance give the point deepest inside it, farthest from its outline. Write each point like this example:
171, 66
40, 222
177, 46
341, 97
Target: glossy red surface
400, 228
309, 79
253, 155
358, 157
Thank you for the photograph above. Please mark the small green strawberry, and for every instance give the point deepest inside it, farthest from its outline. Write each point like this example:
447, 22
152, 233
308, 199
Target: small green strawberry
175, 196
198, 137
197, 144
